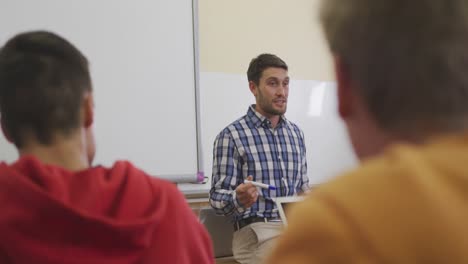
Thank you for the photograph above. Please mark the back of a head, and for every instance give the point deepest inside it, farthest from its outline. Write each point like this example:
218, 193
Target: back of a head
408, 58
43, 79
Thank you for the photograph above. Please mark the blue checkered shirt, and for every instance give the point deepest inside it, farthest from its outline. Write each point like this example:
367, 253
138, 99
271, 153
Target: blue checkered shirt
250, 146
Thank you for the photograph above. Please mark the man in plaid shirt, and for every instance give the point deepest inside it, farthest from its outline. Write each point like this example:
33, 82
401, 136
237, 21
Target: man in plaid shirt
265, 147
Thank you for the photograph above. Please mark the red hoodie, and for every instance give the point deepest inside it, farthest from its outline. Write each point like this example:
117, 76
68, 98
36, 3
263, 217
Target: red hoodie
99, 215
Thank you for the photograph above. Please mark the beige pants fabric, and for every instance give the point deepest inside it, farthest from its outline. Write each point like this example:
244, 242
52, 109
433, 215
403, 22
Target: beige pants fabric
251, 244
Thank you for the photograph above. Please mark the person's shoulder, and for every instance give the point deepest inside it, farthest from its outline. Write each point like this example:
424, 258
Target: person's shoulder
128, 169
331, 215
383, 200
380, 188
234, 126
293, 126
376, 176
240, 122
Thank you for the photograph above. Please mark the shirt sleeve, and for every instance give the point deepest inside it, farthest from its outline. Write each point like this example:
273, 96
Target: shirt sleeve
225, 176
304, 177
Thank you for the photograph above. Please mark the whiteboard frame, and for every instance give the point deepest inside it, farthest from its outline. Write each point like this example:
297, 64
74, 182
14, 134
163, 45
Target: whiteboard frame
196, 61
199, 177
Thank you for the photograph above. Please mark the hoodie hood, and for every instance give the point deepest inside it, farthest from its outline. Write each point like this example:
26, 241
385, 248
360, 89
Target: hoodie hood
98, 215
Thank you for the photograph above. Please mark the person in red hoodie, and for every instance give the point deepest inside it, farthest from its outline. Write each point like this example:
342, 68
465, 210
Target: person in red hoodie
57, 208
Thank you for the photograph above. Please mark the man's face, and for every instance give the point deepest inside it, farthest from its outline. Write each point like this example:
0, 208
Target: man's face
272, 92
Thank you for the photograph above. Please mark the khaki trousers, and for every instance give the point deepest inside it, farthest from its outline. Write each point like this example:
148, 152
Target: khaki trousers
252, 243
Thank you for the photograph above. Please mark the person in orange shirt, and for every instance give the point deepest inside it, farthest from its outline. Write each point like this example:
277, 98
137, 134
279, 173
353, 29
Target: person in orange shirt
402, 76
55, 206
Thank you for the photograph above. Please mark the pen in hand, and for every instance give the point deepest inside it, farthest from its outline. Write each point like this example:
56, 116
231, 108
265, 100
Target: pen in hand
261, 185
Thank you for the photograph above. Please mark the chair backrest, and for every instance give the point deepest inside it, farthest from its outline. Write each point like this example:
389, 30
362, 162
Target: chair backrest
221, 231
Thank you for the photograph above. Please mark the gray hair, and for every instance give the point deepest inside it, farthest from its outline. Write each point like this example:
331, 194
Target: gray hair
409, 58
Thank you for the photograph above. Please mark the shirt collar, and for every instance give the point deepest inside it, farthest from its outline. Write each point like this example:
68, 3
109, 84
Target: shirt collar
258, 119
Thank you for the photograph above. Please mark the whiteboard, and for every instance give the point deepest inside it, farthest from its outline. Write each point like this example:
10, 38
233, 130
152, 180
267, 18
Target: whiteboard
312, 105
142, 64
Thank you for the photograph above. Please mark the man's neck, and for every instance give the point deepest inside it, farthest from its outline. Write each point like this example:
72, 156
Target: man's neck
66, 152
274, 119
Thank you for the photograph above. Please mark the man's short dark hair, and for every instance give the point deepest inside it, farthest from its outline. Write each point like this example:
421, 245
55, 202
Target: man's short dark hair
43, 79
262, 62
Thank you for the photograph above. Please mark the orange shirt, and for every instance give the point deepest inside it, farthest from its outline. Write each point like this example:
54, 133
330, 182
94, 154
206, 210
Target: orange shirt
409, 205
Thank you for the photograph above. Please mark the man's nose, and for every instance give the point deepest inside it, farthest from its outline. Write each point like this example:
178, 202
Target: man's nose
281, 90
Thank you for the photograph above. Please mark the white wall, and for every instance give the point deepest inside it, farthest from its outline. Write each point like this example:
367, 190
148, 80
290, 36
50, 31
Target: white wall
233, 32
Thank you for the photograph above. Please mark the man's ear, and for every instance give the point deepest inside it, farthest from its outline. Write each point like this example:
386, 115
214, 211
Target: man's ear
4, 130
253, 88
344, 88
88, 109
